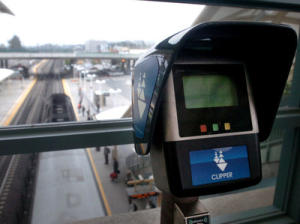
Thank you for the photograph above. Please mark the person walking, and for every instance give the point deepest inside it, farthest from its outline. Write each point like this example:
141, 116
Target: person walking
106, 153
83, 109
116, 171
114, 153
116, 167
88, 114
98, 107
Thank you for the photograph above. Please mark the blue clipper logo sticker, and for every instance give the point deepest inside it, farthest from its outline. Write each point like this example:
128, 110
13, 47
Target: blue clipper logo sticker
210, 166
219, 160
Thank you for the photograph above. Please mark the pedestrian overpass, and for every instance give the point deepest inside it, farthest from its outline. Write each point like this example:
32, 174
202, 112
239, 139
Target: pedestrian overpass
58, 55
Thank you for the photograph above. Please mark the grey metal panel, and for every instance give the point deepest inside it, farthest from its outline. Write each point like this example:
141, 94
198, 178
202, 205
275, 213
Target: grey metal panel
5, 9
290, 5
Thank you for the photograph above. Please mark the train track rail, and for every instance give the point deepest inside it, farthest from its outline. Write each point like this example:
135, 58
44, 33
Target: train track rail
17, 172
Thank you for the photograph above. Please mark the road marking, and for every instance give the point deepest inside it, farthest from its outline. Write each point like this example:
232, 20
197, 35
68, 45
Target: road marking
100, 186
90, 156
12, 112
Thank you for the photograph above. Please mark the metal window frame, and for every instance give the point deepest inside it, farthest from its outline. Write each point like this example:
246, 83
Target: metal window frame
72, 135
59, 136
287, 5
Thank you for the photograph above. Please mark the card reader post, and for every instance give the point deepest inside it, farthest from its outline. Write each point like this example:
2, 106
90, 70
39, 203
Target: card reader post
183, 210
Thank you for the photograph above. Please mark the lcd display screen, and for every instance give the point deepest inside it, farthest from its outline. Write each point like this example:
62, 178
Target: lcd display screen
205, 91
211, 166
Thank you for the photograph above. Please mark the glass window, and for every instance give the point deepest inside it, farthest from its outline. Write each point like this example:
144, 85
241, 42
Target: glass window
96, 44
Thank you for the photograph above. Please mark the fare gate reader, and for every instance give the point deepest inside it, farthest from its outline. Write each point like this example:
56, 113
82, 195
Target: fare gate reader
203, 99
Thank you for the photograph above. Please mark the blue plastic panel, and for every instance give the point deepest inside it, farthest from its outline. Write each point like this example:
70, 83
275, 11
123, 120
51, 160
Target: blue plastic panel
145, 75
210, 166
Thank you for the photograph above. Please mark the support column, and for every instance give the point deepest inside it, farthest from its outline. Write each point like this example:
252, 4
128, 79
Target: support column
178, 210
128, 67
5, 63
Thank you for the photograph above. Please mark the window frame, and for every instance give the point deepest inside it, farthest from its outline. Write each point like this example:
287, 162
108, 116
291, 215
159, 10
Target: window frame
60, 136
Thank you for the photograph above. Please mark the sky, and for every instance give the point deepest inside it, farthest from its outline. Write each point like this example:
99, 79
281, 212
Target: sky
38, 22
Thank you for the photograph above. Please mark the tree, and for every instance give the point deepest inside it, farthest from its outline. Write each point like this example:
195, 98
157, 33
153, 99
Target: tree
2, 47
14, 43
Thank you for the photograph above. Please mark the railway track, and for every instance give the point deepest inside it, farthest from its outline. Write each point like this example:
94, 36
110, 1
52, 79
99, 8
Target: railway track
17, 172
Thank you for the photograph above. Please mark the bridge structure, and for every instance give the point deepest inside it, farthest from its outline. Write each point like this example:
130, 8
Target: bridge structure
128, 59
70, 55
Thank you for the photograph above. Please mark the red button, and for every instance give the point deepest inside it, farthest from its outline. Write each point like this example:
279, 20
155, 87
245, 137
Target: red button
203, 128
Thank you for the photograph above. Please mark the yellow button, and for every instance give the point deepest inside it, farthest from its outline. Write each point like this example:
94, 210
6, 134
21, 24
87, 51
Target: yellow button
227, 126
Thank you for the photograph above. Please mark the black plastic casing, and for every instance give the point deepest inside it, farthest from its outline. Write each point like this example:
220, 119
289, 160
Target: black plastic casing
178, 167
267, 50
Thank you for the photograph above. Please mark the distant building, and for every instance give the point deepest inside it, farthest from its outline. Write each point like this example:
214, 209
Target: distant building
121, 49
78, 48
96, 46
138, 51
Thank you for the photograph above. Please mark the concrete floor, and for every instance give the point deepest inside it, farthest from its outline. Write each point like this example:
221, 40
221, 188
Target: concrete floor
217, 206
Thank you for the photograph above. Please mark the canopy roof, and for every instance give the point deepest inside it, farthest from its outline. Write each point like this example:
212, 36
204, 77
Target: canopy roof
217, 13
4, 9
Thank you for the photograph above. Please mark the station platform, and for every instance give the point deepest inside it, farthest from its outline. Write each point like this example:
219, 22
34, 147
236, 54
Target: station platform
114, 192
66, 189
12, 94
75, 185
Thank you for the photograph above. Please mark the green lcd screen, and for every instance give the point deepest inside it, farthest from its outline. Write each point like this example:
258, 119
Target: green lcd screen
204, 91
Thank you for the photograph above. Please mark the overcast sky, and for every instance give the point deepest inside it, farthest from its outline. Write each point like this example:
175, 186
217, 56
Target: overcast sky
74, 21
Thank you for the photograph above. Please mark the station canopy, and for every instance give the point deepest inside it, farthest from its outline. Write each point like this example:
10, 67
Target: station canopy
5, 9
6, 73
217, 13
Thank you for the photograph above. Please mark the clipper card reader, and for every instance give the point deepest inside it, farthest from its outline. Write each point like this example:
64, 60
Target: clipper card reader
204, 98
212, 134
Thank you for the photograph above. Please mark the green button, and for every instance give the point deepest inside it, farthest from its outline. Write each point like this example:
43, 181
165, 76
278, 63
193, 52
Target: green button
215, 127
